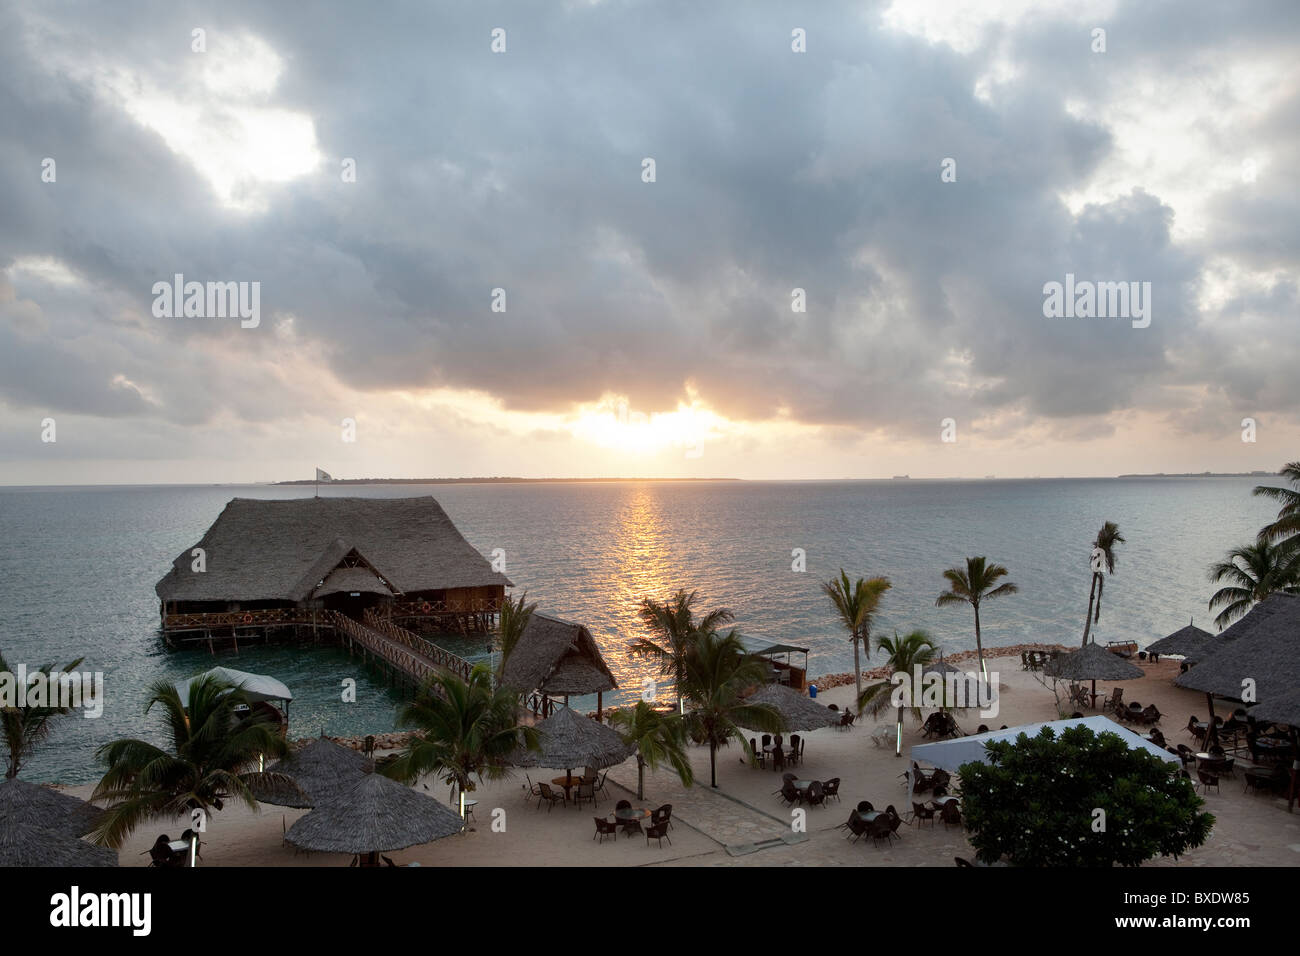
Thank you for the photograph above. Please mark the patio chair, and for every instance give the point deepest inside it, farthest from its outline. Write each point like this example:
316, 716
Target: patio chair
921, 812
1116, 700
161, 855
778, 757
599, 786
663, 815
1151, 714
856, 827
895, 821
658, 831
950, 814
1257, 779
920, 781
939, 780
1207, 780
789, 793
816, 794
846, 720
1024, 661
1195, 727
585, 791
1157, 738
757, 751
605, 828
1186, 754
551, 798
864, 806
1079, 696
960, 862
882, 828
832, 788
533, 790
795, 754
767, 740
785, 778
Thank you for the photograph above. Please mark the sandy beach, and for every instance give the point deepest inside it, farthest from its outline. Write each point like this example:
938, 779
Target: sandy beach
743, 823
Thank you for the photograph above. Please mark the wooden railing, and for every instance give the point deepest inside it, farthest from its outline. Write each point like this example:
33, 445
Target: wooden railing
435, 608
439, 655
265, 617
405, 659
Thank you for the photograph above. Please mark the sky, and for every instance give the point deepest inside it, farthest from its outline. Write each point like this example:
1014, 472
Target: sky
659, 239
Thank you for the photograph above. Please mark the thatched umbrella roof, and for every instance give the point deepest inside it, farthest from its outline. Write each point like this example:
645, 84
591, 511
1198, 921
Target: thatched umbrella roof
1263, 646
798, 711
321, 770
375, 815
1283, 708
557, 657
22, 845
1091, 662
1185, 642
568, 740
31, 805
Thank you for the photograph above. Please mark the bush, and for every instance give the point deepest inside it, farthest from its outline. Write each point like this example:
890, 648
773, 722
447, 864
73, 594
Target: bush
1036, 800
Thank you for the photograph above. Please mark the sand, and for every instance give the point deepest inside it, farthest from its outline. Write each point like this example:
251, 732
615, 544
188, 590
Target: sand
743, 823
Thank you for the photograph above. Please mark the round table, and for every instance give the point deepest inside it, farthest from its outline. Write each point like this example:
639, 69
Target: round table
566, 784
469, 808
631, 813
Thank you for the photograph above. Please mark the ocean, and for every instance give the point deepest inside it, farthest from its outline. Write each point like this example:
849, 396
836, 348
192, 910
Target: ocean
79, 564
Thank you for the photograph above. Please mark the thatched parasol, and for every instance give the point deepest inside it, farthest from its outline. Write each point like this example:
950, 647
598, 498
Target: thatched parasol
374, 815
797, 711
568, 740
1264, 646
31, 805
1187, 641
22, 845
1091, 662
321, 770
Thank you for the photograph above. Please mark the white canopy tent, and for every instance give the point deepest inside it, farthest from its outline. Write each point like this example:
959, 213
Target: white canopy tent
951, 754
256, 687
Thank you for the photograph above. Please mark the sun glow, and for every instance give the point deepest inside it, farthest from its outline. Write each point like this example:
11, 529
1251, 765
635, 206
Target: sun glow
615, 424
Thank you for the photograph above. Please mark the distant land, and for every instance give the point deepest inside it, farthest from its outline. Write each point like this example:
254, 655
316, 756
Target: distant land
1209, 474
495, 479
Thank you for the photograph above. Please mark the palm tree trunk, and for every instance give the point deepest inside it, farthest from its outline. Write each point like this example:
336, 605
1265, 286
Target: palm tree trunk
857, 668
979, 642
1087, 621
713, 763
640, 778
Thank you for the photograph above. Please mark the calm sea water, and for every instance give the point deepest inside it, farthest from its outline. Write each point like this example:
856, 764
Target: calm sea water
78, 567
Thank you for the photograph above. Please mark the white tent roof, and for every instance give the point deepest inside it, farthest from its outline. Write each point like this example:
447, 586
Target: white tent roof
951, 754
256, 687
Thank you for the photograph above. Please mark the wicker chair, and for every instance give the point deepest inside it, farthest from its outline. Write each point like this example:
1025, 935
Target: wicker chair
605, 828
832, 788
1207, 780
950, 814
920, 813
663, 815
658, 831
545, 793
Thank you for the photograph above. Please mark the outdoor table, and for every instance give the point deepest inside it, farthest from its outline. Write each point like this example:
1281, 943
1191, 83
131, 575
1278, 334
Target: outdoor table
566, 784
802, 785
469, 808
631, 813
868, 816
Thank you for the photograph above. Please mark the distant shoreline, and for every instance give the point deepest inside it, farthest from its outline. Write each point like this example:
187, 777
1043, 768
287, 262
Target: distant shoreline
504, 480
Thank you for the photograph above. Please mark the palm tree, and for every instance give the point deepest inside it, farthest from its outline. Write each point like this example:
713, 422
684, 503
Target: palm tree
659, 738
717, 672
673, 623
857, 604
213, 755
1103, 563
1252, 573
465, 729
1286, 529
514, 618
26, 726
906, 653
974, 585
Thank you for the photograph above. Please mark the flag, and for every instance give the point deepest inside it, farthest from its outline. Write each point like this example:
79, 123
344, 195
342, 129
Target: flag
323, 475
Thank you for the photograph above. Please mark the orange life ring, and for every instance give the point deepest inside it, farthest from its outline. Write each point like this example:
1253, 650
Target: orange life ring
426, 607
248, 619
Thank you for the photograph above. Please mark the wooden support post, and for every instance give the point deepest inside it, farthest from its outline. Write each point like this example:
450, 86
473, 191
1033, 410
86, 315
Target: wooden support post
1211, 734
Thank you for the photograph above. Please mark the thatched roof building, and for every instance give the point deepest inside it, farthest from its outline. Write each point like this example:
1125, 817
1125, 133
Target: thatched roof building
567, 740
558, 658
1091, 662
1264, 646
799, 711
24, 846
1187, 642
32, 805
273, 561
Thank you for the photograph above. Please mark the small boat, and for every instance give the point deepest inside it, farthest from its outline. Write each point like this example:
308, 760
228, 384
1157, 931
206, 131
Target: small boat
259, 690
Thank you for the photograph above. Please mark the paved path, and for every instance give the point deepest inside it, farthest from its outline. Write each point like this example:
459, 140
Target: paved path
739, 828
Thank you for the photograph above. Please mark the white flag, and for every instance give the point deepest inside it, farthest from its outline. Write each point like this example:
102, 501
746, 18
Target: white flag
323, 475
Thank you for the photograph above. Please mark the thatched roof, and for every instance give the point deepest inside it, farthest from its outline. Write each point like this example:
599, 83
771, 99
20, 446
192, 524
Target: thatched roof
1263, 646
31, 805
1184, 642
374, 815
282, 550
322, 769
568, 740
558, 658
22, 845
797, 710
347, 580
1091, 662
1281, 708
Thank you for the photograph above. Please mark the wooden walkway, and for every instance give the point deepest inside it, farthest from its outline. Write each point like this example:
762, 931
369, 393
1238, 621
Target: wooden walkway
406, 652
